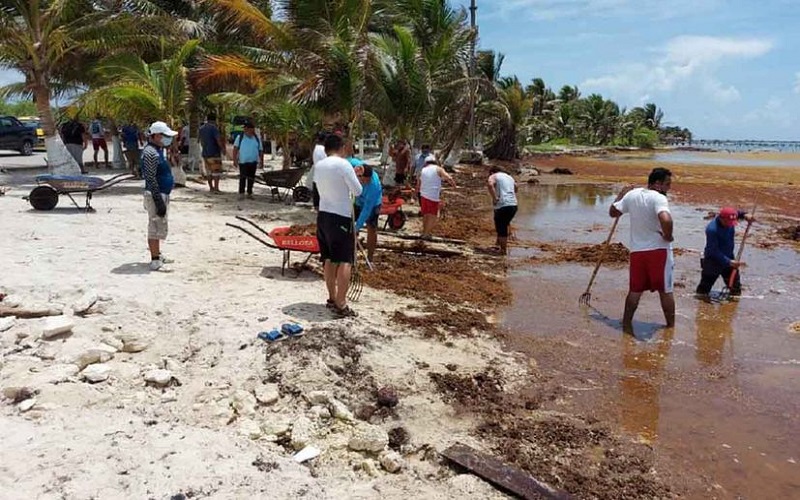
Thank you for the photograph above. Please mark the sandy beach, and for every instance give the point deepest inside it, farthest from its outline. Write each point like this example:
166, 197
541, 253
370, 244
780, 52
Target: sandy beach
187, 401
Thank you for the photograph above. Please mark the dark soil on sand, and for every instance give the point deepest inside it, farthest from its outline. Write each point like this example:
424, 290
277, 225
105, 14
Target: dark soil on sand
302, 230
570, 454
453, 280
791, 232
442, 321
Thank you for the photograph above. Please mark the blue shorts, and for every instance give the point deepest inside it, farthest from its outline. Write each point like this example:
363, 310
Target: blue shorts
372, 220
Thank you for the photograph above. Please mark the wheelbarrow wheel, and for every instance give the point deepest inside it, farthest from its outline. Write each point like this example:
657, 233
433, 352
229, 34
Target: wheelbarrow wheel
397, 220
301, 194
43, 198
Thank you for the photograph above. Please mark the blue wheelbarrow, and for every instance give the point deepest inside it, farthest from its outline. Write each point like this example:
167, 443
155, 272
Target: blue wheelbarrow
45, 195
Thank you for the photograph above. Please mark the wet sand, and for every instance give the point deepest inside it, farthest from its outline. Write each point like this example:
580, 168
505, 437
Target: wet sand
718, 397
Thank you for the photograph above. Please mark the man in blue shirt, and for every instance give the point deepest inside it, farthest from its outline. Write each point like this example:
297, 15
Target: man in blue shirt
213, 146
368, 203
132, 139
158, 184
718, 259
248, 156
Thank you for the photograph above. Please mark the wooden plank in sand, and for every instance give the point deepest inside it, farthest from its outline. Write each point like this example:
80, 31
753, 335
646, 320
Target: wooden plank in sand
27, 313
506, 477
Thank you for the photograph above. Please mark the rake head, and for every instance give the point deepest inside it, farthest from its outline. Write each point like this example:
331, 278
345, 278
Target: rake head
585, 299
356, 283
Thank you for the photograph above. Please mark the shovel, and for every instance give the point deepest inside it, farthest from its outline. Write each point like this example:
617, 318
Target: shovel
725, 294
587, 295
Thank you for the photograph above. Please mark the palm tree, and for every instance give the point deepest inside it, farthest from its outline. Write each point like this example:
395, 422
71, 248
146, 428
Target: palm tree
510, 111
130, 88
48, 41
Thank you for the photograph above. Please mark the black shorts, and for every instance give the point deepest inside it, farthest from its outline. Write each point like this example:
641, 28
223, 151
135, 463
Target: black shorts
399, 179
502, 219
372, 220
335, 236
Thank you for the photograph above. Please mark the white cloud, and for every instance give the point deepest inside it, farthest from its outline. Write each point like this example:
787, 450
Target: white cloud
683, 62
555, 9
797, 83
774, 111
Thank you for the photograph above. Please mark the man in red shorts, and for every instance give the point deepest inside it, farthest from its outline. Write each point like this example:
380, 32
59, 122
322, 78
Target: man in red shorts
429, 186
651, 244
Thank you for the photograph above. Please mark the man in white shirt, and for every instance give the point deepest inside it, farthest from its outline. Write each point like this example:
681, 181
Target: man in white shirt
651, 263
429, 186
503, 191
316, 156
337, 183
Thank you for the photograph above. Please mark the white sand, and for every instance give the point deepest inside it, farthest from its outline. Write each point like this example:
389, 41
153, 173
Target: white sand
122, 439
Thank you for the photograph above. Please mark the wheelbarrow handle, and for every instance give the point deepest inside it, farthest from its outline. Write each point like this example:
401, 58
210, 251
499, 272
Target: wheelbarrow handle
245, 219
257, 238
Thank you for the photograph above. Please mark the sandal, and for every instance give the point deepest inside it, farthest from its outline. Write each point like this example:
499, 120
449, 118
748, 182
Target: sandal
292, 330
330, 304
345, 312
271, 336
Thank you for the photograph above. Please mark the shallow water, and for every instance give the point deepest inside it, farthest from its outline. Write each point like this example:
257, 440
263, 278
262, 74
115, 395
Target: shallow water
719, 395
701, 158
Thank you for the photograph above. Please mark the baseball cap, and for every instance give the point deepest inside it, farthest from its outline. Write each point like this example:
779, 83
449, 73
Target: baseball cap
729, 215
161, 128
430, 159
355, 162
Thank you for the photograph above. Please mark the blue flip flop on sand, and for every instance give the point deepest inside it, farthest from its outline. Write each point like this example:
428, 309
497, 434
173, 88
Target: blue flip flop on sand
292, 330
271, 336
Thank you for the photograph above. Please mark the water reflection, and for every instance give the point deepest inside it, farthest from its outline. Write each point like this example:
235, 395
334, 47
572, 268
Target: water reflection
714, 328
583, 195
643, 366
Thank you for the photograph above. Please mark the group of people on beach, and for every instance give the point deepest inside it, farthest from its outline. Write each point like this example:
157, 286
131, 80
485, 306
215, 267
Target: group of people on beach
651, 237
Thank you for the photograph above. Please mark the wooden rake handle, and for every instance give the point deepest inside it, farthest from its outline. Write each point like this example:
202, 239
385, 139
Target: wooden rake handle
603, 254
741, 249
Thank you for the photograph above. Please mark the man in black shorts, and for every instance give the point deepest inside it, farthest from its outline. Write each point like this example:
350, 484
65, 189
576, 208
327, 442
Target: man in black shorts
503, 191
336, 182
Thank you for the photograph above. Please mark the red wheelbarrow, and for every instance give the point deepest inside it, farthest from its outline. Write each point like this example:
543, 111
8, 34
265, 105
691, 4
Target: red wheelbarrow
283, 242
392, 207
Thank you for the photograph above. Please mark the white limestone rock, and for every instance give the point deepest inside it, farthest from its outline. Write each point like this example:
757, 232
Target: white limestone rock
96, 373
57, 325
368, 437
159, 378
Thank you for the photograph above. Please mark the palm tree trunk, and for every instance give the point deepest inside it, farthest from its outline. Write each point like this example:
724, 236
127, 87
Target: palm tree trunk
505, 146
59, 160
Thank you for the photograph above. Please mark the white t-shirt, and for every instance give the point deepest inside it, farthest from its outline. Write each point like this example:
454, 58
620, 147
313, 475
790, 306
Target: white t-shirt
644, 205
504, 187
336, 182
316, 156
430, 183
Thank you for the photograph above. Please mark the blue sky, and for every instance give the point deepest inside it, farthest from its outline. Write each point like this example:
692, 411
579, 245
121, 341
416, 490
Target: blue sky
723, 68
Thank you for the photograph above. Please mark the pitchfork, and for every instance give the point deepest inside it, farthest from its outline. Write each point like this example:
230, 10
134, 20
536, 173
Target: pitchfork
587, 295
725, 294
356, 283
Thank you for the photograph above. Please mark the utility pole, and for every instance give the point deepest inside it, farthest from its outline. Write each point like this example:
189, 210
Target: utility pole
472, 73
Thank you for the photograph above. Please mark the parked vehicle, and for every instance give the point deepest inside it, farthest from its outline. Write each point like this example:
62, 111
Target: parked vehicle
16, 136
35, 123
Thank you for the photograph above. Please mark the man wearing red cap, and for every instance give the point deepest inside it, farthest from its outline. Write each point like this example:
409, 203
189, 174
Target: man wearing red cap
718, 257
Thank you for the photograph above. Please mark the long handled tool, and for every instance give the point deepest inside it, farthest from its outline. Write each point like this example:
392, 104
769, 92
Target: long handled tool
587, 295
725, 294
356, 284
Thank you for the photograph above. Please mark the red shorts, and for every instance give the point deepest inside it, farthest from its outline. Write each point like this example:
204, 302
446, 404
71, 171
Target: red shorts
99, 144
651, 270
428, 207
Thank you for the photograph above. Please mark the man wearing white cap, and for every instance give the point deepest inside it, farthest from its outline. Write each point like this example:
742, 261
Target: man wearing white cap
158, 184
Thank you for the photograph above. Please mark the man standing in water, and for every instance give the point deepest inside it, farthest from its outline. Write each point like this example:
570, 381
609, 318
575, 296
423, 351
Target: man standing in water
718, 257
336, 181
651, 261
503, 191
